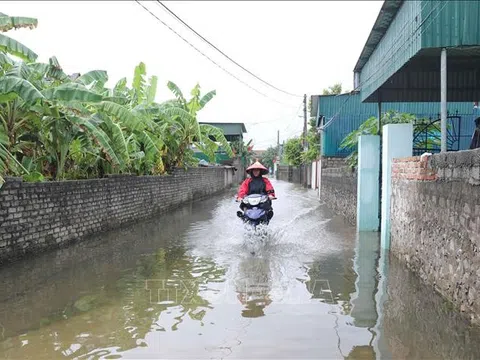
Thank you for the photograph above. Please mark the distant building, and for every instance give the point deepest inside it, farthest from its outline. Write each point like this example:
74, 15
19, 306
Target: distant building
233, 132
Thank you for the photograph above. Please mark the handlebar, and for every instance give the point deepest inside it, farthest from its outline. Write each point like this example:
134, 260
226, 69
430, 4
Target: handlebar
271, 198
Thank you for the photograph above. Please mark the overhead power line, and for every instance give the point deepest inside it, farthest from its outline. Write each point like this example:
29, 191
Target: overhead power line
159, 3
206, 56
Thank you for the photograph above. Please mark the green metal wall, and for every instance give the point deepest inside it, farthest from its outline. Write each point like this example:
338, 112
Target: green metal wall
420, 25
398, 45
219, 157
352, 113
452, 23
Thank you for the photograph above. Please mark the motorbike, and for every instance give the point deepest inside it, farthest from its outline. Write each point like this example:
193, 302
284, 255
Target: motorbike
255, 212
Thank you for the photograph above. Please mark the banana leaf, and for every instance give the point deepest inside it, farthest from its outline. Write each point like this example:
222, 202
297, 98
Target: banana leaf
16, 48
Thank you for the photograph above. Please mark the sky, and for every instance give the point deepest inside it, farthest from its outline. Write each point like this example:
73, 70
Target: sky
300, 47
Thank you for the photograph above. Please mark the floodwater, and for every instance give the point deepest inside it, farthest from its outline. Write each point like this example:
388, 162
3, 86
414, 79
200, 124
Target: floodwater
186, 286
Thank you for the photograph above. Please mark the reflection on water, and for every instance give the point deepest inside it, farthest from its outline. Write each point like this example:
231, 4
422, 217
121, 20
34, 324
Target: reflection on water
187, 286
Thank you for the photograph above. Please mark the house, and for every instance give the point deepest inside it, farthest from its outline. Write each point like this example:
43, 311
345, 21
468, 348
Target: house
338, 115
233, 132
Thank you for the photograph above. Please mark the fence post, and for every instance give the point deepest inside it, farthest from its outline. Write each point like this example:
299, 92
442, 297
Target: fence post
368, 188
397, 143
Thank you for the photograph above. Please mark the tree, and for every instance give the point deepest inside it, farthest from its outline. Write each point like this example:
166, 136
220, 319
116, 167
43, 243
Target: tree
11, 46
293, 151
336, 89
313, 141
57, 126
73, 127
243, 151
269, 155
190, 131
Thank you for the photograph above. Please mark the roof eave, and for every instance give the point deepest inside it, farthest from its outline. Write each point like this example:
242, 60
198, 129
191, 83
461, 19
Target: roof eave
389, 10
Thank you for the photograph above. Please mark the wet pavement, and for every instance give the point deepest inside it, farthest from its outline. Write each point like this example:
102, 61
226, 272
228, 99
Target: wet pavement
186, 286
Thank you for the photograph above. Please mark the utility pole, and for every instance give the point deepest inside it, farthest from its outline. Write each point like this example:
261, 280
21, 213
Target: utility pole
443, 100
278, 145
305, 182
277, 162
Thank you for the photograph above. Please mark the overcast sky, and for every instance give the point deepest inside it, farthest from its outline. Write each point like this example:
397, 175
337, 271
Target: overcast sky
300, 47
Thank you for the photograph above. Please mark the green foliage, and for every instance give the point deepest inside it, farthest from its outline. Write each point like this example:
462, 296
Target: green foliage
269, 155
243, 151
313, 141
336, 89
11, 46
370, 127
293, 151
54, 126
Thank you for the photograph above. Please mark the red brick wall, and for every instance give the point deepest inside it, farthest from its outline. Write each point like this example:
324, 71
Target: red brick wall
413, 168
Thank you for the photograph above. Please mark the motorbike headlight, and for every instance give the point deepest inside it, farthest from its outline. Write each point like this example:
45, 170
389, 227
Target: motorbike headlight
254, 201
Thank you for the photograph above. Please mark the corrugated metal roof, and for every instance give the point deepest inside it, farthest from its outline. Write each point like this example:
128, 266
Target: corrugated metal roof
229, 128
386, 15
419, 79
398, 45
418, 30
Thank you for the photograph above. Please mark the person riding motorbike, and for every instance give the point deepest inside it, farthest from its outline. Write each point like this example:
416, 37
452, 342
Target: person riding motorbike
257, 184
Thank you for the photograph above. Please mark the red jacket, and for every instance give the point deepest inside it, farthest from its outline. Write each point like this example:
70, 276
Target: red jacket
243, 190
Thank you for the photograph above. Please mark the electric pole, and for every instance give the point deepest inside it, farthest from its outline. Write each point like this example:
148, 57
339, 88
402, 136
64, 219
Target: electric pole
277, 162
305, 182
278, 145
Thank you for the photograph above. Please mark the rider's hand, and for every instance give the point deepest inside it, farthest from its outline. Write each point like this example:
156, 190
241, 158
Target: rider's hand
271, 197
238, 199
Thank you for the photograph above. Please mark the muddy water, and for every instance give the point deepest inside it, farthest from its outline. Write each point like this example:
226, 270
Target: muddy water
186, 286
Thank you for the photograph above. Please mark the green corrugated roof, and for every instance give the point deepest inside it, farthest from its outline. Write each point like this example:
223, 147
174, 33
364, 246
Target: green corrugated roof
229, 128
386, 15
396, 47
402, 54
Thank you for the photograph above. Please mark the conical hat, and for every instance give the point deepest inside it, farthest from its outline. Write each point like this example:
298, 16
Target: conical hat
257, 165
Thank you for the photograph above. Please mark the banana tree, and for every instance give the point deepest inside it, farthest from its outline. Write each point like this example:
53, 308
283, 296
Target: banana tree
185, 113
243, 151
17, 121
137, 117
11, 46
42, 95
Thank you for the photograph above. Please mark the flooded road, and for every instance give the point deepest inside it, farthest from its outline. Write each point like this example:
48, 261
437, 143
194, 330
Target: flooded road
186, 286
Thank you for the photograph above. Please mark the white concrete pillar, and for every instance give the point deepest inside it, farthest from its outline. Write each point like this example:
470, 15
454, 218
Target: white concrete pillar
313, 177
319, 174
368, 195
397, 143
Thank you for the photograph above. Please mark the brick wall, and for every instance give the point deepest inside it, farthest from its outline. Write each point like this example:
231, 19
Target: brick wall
413, 168
435, 223
38, 216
